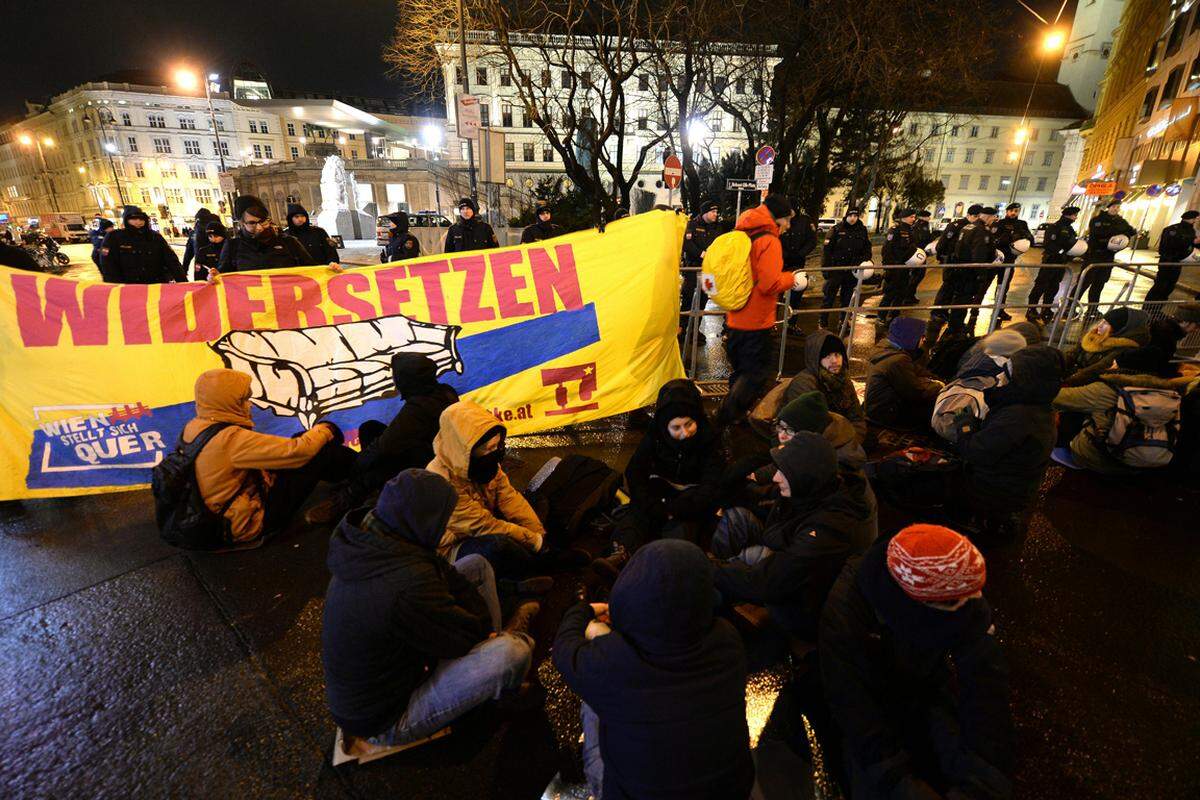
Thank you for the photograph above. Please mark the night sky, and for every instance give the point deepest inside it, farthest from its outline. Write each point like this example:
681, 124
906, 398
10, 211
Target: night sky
320, 45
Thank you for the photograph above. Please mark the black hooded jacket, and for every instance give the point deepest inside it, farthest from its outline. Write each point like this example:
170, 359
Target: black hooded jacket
138, 255
885, 665
1101, 228
696, 462
797, 242
838, 390
243, 252
199, 237
394, 607
848, 245
470, 234
1007, 454
1057, 240
401, 244
540, 231
408, 440
316, 241
1009, 230
1176, 242
668, 683
826, 520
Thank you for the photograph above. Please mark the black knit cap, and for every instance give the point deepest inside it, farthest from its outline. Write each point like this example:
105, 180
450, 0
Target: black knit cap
778, 205
1190, 215
923, 214
215, 228
1113, 202
904, 213
707, 205
974, 209
542, 208
1013, 207
250, 203
1069, 210
467, 202
989, 210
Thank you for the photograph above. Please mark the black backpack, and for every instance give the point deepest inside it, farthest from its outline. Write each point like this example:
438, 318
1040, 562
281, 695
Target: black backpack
915, 479
947, 352
184, 520
577, 488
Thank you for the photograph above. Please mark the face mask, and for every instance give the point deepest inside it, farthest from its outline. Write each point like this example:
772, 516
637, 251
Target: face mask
483, 468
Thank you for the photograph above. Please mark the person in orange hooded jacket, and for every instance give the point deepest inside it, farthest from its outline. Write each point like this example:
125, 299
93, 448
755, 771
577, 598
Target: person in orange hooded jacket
749, 345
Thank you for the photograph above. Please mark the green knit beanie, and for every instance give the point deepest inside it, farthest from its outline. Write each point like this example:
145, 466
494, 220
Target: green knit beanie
808, 412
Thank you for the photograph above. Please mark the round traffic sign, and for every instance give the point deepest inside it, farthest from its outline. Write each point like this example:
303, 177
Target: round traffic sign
765, 155
672, 171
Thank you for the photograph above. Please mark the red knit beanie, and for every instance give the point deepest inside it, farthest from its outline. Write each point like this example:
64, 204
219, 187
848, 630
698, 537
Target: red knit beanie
935, 564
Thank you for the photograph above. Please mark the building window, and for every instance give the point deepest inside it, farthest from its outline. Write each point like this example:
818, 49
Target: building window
969, 155
146, 196
191, 147
166, 170
739, 86
1148, 103
258, 151
984, 180
567, 80
353, 137
1022, 183
132, 140
224, 148
1171, 87
945, 179
262, 126
954, 130
510, 151
1033, 134
546, 78
175, 197
1029, 159
989, 156
157, 121
458, 75
964, 182
527, 151
1047, 158
643, 83
1152, 60
995, 132
1006, 182
197, 171
291, 129
203, 196
162, 145
485, 113
506, 117
1041, 187
948, 157
1176, 36
506, 78
643, 123
295, 154
270, 153
139, 169
187, 124
481, 76
914, 129
253, 126
125, 120
547, 153
974, 131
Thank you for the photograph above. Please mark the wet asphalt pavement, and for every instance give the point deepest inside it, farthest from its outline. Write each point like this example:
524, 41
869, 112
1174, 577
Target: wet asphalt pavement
129, 669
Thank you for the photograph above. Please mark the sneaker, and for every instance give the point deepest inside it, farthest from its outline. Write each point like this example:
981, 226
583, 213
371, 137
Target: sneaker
1062, 455
520, 619
328, 511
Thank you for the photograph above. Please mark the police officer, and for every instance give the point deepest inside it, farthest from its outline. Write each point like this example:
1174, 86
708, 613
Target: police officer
1059, 238
1105, 225
401, 244
898, 248
97, 234
543, 229
135, 253
315, 240
702, 229
258, 244
848, 245
976, 245
470, 232
1175, 245
208, 255
797, 242
922, 236
958, 285
1008, 229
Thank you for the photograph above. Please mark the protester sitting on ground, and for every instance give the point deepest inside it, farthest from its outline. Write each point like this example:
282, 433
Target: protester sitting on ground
410, 642
258, 244
788, 560
1005, 454
827, 370
900, 392
406, 442
912, 727
316, 241
1165, 334
1120, 329
673, 477
1096, 403
136, 253
1188, 317
208, 254
664, 712
992, 352
256, 480
400, 244
491, 519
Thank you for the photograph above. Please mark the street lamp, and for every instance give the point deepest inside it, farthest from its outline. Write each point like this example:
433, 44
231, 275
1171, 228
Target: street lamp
30, 141
431, 139
188, 80
104, 118
1052, 42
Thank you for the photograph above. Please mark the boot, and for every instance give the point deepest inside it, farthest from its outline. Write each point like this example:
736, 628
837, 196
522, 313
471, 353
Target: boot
331, 510
607, 568
522, 617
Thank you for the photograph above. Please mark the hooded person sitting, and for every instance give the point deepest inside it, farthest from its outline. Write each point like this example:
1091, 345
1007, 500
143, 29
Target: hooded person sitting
1119, 330
788, 561
410, 642
315, 240
894, 623
900, 393
406, 442
992, 352
258, 244
400, 244
256, 481
827, 370
491, 517
664, 714
1006, 454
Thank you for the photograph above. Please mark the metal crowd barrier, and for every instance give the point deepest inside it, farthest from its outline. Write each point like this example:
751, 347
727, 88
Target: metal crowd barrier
1066, 326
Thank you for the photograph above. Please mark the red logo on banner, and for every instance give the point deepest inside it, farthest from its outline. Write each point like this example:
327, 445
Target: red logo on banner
560, 377
134, 412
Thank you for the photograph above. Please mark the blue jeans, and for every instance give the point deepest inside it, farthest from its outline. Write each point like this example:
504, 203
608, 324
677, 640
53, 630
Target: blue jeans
458, 685
593, 764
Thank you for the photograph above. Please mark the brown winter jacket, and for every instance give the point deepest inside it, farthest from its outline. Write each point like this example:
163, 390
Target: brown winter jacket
238, 461
482, 509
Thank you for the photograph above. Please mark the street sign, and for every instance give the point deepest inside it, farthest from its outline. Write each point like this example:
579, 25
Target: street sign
468, 117
740, 184
672, 172
765, 155
1100, 188
763, 175
225, 179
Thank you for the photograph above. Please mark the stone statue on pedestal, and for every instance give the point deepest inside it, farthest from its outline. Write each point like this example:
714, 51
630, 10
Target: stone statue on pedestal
340, 213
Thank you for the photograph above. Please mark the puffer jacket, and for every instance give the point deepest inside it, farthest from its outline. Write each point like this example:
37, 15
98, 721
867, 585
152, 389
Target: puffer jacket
238, 462
838, 390
896, 385
484, 509
766, 267
1096, 353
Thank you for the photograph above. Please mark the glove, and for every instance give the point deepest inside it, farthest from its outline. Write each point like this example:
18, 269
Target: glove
799, 281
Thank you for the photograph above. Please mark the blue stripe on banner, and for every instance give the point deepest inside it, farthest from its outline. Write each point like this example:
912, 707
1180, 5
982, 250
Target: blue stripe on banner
121, 452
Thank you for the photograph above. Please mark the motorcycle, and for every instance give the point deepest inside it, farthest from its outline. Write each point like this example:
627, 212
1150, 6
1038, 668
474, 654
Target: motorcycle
47, 254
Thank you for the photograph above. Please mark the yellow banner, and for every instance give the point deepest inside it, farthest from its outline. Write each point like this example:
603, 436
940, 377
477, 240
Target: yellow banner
96, 379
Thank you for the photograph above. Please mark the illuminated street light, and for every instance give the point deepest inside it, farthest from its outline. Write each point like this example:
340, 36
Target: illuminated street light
186, 79
698, 130
1053, 41
1021, 134
25, 139
46, 140
431, 137
81, 170
110, 147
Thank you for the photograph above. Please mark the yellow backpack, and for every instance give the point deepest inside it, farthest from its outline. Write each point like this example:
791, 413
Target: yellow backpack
726, 276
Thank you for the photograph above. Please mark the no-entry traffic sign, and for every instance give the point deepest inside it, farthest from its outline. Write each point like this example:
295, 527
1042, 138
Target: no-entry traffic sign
672, 172
765, 155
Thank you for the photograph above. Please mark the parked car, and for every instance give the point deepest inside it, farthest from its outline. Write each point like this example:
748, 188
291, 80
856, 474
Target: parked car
826, 224
62, 228
1039, 234
416, 219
